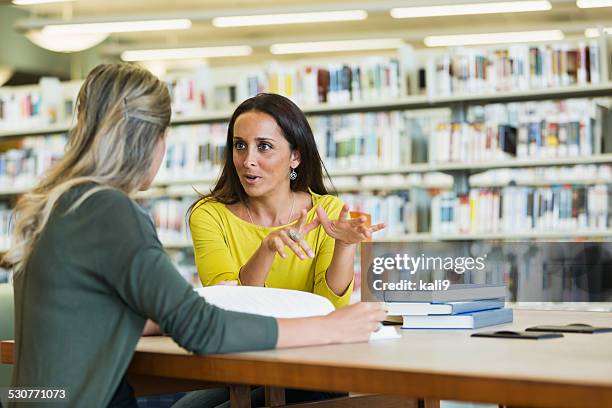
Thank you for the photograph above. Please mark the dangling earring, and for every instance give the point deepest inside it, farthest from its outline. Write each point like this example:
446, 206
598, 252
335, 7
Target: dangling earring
293, 174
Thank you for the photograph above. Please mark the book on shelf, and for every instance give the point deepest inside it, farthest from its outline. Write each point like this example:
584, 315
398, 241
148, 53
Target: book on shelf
168, 215
467, 70
24, 160
397, 210
26, 107
362, 140
193, 151
455, 293
523, 130
442, 308
373, 78
6, 227
278, 303
516, 209
339, 81
581, 174
470, 320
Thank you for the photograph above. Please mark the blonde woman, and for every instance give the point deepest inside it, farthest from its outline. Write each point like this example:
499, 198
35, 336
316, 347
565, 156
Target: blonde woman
89, 269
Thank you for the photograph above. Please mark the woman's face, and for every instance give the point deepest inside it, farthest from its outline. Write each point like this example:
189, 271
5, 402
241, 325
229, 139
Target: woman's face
158, 158
261, 154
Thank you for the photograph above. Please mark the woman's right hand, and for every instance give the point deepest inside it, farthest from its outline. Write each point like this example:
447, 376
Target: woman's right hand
349, 324
354, 323
293, 237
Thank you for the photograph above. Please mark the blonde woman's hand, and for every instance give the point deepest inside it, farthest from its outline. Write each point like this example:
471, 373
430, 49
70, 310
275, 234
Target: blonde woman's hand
293, 237
354, 323
347, 230
349, 324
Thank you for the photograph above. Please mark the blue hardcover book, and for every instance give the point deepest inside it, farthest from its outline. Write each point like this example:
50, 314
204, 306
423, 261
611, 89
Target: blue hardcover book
472, 320
442, 308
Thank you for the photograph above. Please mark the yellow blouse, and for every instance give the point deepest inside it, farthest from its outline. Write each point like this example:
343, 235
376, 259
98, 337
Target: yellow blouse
223, 243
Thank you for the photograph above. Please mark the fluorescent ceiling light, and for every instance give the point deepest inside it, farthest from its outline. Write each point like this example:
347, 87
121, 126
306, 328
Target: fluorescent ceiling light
186, 53
493, 38
30, 2
290, 18
65, 42
594, 32
117, 27
593, 3
473, 8
331, 46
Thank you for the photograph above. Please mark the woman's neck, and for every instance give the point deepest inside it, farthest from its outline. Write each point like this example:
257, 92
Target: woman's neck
272, 210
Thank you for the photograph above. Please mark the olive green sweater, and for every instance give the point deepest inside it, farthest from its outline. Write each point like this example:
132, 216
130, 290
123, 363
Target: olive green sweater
95, 275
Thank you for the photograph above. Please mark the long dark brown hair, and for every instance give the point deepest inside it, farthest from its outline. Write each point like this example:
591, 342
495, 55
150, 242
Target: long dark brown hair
296, 130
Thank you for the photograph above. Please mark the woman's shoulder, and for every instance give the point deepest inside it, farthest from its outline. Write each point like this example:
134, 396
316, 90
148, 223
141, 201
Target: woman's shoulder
208, 207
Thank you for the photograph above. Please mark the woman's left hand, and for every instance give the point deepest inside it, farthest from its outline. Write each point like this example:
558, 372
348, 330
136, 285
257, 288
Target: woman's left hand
347, 230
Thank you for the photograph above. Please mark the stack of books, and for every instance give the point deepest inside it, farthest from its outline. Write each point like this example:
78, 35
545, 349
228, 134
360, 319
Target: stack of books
462, 306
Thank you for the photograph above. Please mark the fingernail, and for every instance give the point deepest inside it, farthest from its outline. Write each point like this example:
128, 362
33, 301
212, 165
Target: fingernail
311, 254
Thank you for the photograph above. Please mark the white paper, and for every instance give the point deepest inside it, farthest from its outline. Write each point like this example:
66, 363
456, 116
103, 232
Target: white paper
278, 303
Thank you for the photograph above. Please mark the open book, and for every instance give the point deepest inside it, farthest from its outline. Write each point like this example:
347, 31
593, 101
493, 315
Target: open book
279, 303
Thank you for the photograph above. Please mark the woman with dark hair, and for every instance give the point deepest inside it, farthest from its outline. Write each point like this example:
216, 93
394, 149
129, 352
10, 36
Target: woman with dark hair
271, 195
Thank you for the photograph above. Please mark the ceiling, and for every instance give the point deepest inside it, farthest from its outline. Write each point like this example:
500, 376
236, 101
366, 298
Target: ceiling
564, 15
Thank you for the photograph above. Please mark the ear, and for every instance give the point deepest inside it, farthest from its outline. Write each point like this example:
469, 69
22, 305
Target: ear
295, 159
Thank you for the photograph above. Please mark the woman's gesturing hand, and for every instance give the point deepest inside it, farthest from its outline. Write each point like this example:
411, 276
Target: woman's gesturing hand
347, 230
293, 237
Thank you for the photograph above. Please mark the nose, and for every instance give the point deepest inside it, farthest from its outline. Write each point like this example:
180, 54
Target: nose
250, 158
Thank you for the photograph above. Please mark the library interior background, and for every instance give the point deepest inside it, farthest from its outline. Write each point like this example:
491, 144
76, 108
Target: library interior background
481, 124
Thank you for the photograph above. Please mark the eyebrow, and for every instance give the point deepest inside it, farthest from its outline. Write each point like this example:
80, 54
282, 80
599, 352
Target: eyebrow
258, 139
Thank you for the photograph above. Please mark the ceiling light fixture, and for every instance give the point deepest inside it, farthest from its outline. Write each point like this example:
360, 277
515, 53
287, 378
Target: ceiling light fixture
594, 32
333, 46
290, 18
493, 38
186, 53
31, 2
472, 8
65, 42
593, 3
117, 27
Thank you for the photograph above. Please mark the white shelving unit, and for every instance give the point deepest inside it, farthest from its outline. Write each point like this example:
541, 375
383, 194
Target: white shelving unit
479, 166
405, 103
184, 186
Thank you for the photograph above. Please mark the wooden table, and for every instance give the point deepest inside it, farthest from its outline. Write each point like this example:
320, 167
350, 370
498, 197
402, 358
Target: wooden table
574, 371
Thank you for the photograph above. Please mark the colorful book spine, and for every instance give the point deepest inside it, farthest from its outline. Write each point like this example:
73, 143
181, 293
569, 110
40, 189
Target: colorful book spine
517, 209
362, 140
517, 67
529, 130
397, 210
194, 151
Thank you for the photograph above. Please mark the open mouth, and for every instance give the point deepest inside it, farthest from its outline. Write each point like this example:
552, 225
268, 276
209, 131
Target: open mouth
251, 179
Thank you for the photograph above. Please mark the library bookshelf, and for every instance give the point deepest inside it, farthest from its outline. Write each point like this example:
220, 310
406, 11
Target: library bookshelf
404, 103
458, 171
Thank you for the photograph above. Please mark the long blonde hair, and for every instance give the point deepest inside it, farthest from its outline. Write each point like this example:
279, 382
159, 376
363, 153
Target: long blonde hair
122, 112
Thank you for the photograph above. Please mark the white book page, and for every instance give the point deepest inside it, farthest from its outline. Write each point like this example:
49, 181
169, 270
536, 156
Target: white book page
278, 303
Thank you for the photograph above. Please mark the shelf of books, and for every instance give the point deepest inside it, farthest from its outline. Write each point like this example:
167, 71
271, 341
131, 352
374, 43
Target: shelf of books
499, 143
